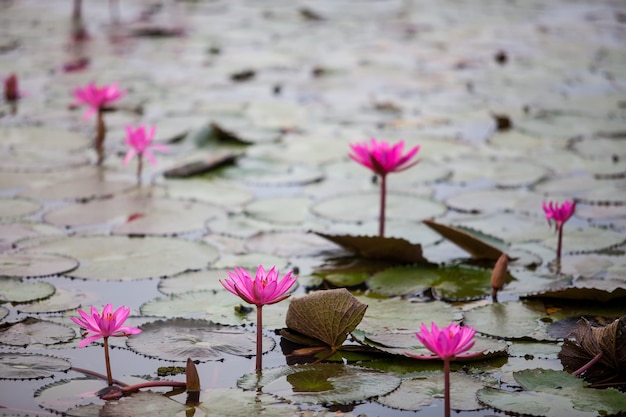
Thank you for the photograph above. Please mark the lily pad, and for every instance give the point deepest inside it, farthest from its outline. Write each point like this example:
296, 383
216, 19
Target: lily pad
227, 194
145, 404
365, 207
324, 383
289, 244
15, 365
552, 393
34, 264
17, 207
422, 391
137, 215
15, 290
193, 281
504, 172
119, 258
201, 340
33, 138
32, 331
81, 189
63, 395
282, 210
62, 300
224, 402
3, 312
489, 201
11, 234
449, 283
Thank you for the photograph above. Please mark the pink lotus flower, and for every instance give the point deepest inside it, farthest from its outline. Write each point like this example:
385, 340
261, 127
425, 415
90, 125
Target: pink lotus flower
103, 325
140, 143
109, 323
264, 289
448, 344
383, 158
97, 98
559, 214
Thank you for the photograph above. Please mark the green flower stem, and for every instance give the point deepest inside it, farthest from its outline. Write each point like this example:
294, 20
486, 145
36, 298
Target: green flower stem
108, 361
446, 383
139, 168
100, 133
383, 195
259, 338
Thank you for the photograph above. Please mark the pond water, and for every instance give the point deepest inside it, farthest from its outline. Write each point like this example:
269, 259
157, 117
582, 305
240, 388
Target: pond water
512, 104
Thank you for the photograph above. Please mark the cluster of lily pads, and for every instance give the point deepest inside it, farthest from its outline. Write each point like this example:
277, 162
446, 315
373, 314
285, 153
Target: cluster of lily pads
387, 270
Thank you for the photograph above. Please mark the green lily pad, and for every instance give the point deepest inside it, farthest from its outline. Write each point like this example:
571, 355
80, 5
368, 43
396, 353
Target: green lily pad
145, 404
15, 290
489, 201
289, 244
285, 210
201, 340
324, 383
137, 215
226, 194
120, 258
268, 173
365, 207
33, 264
416, 393
17, 207
15, 365
63, 395
31, 331
237, 403
61, 300
80, 189
3, 312
504, 172
553, 393
449, 283
193, 281
34, 138
13, 234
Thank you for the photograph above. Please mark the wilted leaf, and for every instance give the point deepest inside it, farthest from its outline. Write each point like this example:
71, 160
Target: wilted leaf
328, 315
473, 243
587, 341
377, 247
203, 165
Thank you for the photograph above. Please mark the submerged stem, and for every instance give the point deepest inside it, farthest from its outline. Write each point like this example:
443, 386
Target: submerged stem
259, 338
383, 195
108, 361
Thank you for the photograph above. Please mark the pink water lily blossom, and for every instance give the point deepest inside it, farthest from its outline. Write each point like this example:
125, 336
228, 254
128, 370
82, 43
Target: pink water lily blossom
447, 343
96, 98
559, 214
264, 289
383, 158
140, 143
102, 326
109, 323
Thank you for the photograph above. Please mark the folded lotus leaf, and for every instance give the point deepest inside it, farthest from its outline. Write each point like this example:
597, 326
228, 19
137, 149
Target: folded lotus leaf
328, 315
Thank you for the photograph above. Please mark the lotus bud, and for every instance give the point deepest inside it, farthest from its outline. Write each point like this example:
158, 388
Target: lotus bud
498, 276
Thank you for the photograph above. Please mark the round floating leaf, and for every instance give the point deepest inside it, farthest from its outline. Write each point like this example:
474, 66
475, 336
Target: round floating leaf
34, 138
62, 300
227, 194
13, 289
3, 312
145, 404
328, 315
124, 258
450, 283
505, 172
553, 393
223, 402
11, 234
137, 215
82, 188
289, 244
201, 340
30, 366
197, 281
17, 207
269, 173
490, 201
34, 331
417, 393
324, 383
510, 227
61, 396
401, 314
290, 210
365, 207
34, 264
510, 320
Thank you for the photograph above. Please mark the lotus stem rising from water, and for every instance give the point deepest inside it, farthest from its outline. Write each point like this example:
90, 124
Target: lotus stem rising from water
447, 344
140, 144
264, 289
97, 99
383, 158
559, 213
109, 323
